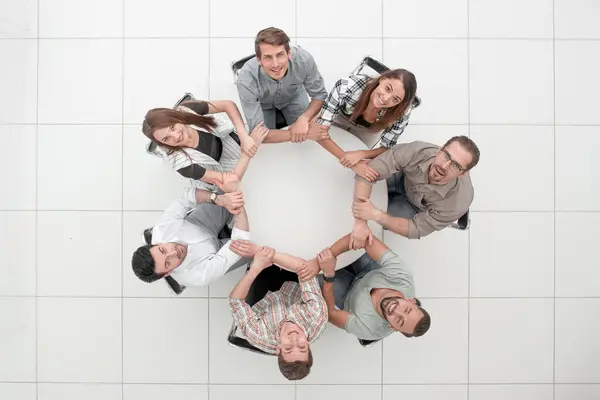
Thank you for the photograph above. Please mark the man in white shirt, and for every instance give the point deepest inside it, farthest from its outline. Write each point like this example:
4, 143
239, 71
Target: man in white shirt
185, 243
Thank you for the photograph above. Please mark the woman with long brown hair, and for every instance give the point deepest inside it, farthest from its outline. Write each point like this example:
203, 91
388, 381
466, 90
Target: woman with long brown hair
191, 139
367, 106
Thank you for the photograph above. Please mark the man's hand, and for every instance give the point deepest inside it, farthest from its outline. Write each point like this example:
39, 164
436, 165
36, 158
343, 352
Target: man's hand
351, 158
230, 182
259, 133
308, 270
263, 258
366, 171
299, 130
243, 248
362, 208
317, 132
327, 261
361, 234
248, 145
233, 201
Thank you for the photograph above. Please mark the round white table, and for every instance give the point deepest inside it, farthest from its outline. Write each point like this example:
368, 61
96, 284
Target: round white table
298, 197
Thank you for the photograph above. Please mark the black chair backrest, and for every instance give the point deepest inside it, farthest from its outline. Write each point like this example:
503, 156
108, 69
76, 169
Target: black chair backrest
237, 65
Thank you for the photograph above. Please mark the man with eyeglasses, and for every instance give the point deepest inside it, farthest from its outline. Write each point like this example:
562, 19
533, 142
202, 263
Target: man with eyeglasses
428, 187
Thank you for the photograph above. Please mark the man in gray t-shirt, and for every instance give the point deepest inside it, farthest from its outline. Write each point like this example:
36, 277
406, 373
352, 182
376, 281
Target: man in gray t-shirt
280, 78
374, 296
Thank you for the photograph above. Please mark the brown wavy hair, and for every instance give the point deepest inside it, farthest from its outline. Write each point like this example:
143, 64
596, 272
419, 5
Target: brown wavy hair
159, 118
391, 114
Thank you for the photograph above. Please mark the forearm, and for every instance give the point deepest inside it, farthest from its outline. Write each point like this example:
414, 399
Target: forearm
241, 289
395, 224
327, 291
362, 189
371, 154
202, 196
341, 246
332, 148
234, 115
240, 221
313, 108
291, 263
278, 136
212, 177
242, 165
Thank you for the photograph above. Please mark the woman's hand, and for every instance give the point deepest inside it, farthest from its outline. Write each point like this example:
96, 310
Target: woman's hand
259, 133
351, 158
366, 171
229, 182
317, 132
248, 145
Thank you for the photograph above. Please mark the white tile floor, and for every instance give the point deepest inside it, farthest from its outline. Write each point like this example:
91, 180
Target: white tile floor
514, 300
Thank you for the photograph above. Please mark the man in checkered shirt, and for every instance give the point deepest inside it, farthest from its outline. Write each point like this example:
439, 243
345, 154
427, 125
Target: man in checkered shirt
286, 321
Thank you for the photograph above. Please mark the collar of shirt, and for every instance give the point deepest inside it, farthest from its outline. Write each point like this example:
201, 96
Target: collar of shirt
291, 317
442, 190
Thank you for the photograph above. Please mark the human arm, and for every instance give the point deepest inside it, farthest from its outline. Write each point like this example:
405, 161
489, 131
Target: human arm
252, 326
211, 267
299, 129
230, 108
263, 259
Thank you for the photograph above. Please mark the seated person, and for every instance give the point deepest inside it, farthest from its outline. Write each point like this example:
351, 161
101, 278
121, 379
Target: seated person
367, 106
284, 322
279, 78
196, 148
428, 188
374, 296
185, 244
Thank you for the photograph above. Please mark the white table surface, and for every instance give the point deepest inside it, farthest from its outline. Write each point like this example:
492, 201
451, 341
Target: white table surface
299, 197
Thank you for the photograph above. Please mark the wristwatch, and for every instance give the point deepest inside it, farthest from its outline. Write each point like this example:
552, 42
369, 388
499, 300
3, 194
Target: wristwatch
213, 198
329, 279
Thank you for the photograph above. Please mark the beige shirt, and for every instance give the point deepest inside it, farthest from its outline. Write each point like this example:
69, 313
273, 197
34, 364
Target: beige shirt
440, 205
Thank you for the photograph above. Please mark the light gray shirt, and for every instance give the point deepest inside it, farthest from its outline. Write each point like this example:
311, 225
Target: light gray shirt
207, 257
364, 322
257, 90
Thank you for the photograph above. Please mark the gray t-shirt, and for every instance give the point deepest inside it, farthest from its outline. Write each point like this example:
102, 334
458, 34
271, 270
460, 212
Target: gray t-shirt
364, 322
257, 90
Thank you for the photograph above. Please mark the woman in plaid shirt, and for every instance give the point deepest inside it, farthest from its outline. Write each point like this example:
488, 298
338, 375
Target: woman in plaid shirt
364, 105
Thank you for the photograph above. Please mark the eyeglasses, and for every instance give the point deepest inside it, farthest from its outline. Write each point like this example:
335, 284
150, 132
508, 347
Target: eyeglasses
454, 165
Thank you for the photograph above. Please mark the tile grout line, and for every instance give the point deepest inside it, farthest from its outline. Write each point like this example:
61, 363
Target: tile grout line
554, 188
122, 197
383, 230
208, 289
469, 231
37, 184
511, 39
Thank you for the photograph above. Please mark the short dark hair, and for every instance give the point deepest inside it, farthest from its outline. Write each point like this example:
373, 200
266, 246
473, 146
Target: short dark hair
272, 36
295, 370
143, 264
468, 145
422, 326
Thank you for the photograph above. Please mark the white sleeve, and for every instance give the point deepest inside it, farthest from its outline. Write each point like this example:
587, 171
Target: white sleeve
171, 219
214, 266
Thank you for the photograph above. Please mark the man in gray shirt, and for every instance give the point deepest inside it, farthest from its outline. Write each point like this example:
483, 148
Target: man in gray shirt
428, 188
279, 78
374, 296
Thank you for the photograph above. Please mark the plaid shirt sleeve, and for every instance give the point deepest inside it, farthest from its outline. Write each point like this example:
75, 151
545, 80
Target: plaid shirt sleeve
332, 104
255, 330
390, 136
314, 307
